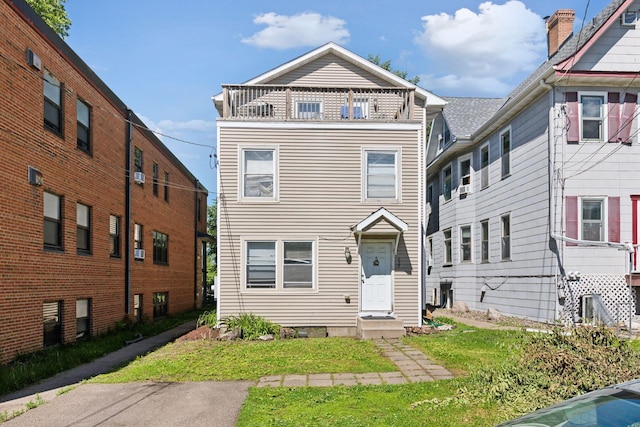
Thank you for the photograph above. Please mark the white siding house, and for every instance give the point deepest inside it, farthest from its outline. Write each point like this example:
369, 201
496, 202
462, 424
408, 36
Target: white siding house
534, 202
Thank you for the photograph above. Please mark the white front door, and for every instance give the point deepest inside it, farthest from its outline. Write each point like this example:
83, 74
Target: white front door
376, 259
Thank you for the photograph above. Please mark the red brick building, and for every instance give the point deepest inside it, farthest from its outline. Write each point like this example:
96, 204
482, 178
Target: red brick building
99, 221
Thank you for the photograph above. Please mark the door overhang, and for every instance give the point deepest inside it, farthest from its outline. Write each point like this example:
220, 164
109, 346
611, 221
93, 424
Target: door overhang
380, 223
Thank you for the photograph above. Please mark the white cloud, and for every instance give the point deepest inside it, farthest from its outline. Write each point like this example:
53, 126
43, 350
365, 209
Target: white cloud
487, 47
453, 85
304, 29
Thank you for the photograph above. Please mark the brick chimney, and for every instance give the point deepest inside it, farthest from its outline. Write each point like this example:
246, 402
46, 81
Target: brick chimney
559, 28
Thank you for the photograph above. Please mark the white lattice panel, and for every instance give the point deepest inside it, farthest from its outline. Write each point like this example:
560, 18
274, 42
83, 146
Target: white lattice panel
613, 289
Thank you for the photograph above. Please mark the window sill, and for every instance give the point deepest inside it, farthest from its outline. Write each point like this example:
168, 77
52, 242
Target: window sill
87, 152
57, 132
505, 176
116, 256
83, 253
447, 265
58, 249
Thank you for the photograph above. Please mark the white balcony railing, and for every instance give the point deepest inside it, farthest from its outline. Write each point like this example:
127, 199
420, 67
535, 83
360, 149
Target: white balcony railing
279, 103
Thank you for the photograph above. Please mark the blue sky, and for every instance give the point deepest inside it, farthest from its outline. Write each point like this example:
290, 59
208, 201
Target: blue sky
165, 59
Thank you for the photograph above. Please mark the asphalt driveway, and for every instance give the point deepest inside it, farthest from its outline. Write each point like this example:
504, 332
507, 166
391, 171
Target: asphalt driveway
141, 404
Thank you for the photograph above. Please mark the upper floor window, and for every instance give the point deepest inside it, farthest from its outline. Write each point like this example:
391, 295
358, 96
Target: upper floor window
505, 144
137, 160
592, 114
160, 248
258, 173
484, 166
308, 110
484, 237
446, 183
506, 236
445, 136
155, 179
114, 236
381, 175
166, 186
592, 225
52, 220
137, 236
52, 102
465, 185
83, 220
83, 114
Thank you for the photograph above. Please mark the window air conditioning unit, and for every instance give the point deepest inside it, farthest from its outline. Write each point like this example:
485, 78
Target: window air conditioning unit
34, 60
138, 177
464, 189
138, 253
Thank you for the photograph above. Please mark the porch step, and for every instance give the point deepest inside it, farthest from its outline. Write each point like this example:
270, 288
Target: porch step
377, 327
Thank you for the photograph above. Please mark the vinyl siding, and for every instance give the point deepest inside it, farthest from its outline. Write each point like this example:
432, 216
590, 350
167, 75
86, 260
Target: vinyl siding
319, 198
330, 71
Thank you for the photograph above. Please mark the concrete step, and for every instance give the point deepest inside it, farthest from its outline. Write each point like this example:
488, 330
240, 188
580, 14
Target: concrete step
376, 328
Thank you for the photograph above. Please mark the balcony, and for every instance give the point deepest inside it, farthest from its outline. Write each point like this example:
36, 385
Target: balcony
289, 103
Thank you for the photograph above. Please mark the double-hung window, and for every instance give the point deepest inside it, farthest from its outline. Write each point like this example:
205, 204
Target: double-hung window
137, 236
506, 236
52, 221
592, 112
166, 186
465, 243
280, 264
297, 265
484, 231
160, 248
446, 183
259, 174
83, 117
114, 236
137, 160
52, 103
160, 304
83, 318
261, 265
155, 179
484, 166
447, 246
592, 225
83, 220
381, 175
505, 144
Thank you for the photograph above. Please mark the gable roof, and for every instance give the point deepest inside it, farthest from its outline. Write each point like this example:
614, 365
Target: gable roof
465, 115
376, 217
333, 48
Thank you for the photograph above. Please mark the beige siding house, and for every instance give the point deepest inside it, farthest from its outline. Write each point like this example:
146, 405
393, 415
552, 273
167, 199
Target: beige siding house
320, 195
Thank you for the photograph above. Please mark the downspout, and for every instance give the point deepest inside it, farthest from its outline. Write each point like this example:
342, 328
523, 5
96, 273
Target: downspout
195, 246
127, 214
553, 234
421, 210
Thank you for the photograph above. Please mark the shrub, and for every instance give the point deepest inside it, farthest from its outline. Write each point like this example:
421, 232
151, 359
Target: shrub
251, 326
556, 366
208, 318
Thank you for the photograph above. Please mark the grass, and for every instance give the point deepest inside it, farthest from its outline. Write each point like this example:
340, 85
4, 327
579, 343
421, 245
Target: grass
31, 368
205, 360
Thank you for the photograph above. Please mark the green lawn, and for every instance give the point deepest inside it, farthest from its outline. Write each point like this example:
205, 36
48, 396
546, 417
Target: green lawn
437, 403
207, 360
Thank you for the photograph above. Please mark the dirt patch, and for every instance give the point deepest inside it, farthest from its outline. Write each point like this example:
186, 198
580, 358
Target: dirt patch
201, 333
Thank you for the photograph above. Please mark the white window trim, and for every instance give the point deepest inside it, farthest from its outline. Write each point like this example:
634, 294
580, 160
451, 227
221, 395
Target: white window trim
503, 132
461, 159
445, 261
460, 260
605, 103
444, 197
605, 216
276, 175
488, 147
488, 259
363, 167
317, 114
279, 263
510, 257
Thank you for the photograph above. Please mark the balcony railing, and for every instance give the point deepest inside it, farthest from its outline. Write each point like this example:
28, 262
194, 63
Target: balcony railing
278, 103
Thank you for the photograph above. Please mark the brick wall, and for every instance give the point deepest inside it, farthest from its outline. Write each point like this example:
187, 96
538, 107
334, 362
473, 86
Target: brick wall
31, 275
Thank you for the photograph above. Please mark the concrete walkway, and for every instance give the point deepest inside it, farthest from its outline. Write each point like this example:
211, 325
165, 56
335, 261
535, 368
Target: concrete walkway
413, 365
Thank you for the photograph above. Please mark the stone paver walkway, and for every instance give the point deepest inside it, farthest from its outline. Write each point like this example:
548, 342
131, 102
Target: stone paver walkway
414, 366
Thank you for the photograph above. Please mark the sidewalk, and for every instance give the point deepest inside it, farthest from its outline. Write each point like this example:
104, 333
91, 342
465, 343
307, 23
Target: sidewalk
49, 388
414, 366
